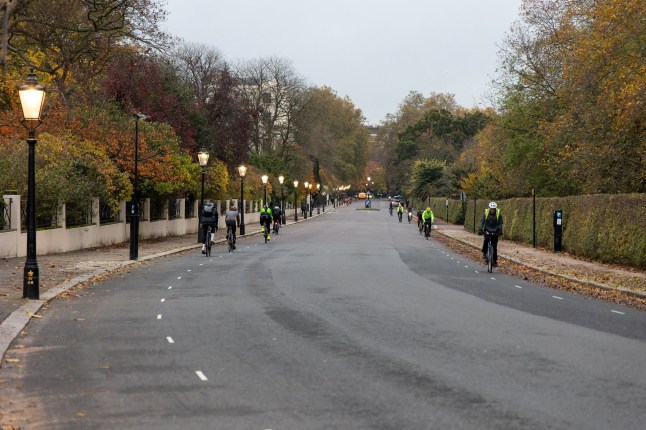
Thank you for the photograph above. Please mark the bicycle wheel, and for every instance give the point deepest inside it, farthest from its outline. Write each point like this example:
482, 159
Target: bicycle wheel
208, 248
490, 257
265, 234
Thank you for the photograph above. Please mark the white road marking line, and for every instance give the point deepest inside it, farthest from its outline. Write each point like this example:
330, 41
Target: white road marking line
170, 288
188, 270
517, 286
163, 300
170, 339
451, 258
201, 264
476, 271
466, 267
211, 260
159, 316
493, 279
558, 298
201, 375
179, 277
617, 312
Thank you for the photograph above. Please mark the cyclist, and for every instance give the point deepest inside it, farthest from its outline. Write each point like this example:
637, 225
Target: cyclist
390, 208
276, 214
491, 222
232, 219
400, 212
208, 219
428, 218
265, 220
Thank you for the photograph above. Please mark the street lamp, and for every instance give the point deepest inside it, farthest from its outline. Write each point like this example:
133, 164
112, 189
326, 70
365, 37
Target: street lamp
134, 207
32, 98
264, 183
242, 170
318, 198
281, 179
203, 159
306, 184
295, 197
309, 187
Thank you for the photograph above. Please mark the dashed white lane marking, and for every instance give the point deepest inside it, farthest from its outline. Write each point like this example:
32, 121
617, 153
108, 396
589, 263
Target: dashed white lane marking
170, 339
201, 264
188, 270
493, 279
517, 286
211, 260
451, 258
159, 316
163, 300
170, 288
179, 277
557, 297
466, 267
617, 312
201, 375
476, 271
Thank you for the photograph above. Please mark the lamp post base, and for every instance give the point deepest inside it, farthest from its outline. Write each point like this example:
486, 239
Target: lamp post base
31, 281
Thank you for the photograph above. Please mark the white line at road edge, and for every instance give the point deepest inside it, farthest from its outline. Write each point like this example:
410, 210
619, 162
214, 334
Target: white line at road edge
558, 298
170, 288
617, 312
179, 277
201, 375
163, 300
159, 316
517, 286
170, 339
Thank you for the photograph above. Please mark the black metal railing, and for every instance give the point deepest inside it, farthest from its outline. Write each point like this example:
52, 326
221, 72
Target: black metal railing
189, 208
157, 209
5, 213
174, 209
108, 215
78, 214
46, 217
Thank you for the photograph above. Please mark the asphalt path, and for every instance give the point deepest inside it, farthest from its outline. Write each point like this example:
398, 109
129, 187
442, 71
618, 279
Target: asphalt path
348, 321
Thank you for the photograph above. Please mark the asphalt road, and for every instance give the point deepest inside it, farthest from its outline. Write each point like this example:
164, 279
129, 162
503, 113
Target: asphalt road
349, 321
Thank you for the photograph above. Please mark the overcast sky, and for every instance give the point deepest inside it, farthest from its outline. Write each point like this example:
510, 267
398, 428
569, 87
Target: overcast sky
374, 51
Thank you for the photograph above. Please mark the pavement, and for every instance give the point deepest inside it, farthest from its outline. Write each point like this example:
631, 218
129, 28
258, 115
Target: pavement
61, 272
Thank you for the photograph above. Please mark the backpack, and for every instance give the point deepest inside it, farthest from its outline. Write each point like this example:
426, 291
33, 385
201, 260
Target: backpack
208, 209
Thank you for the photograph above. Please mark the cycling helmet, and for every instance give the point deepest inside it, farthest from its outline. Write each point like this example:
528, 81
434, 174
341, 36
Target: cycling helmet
493, 205
428, 209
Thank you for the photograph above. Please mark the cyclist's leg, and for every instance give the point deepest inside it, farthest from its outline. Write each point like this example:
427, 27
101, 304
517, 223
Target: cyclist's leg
485, 243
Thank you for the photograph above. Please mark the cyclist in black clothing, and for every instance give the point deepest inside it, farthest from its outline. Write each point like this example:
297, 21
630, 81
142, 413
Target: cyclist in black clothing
232, 219
208, 219
491, 221
276, 213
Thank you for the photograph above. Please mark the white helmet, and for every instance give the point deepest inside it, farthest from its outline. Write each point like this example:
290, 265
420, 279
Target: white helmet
493, 205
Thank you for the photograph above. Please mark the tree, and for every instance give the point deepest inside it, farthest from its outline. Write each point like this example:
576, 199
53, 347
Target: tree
73, 40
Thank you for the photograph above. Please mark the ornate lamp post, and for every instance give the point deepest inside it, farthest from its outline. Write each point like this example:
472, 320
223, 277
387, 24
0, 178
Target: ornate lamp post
32, 99
318, 198
134, 208
306, 184
295, 202
242, 170
264, 183
281, 179
203, 159
309, 187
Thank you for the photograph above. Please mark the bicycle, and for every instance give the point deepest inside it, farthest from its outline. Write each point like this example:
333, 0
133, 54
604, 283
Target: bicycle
489, 255
427, 230
420, 226
391, 211
276, 226
410, 216
265, 233
231, 240
207, 242
400, 215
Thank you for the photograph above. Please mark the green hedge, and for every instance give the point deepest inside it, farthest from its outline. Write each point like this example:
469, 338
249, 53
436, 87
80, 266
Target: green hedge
604, 227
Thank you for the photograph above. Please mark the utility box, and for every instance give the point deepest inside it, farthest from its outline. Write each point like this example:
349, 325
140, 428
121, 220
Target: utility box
558, 230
